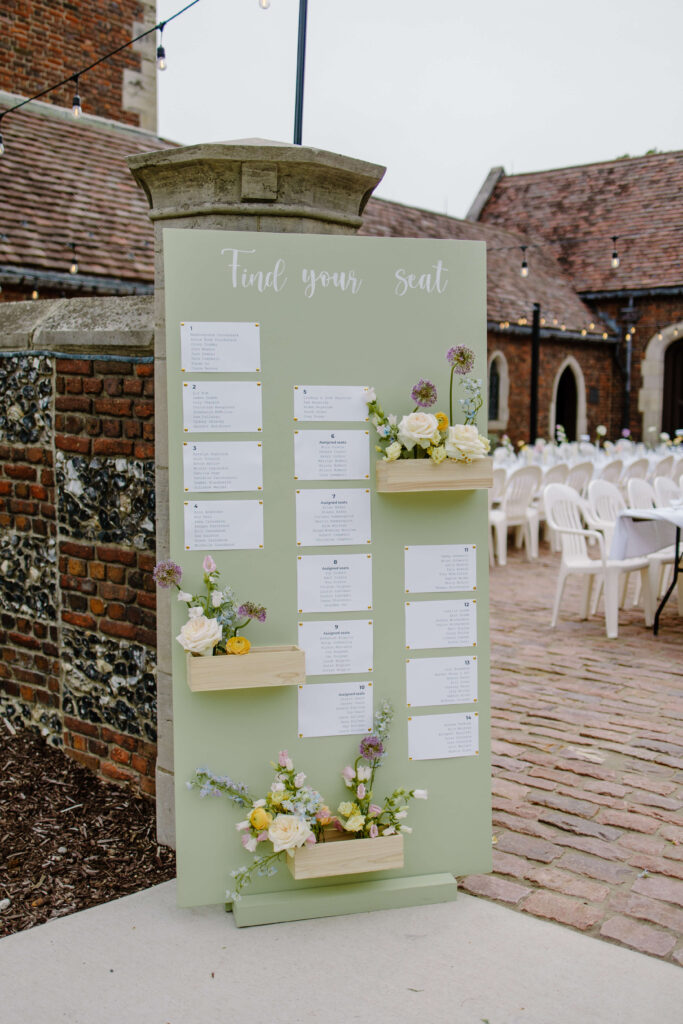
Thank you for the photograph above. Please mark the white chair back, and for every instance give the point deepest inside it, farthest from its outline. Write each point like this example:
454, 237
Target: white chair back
663, 468
556, 474
605, 501
499, 481
611, 470
520, 489
579, 475
636, 470
677, 472
563, 512
640, 494
666, 491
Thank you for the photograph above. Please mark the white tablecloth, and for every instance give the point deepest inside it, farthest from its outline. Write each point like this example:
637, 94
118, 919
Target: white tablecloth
641, 531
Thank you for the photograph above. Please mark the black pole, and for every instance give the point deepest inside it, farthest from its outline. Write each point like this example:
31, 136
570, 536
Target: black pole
300, 65
535, 359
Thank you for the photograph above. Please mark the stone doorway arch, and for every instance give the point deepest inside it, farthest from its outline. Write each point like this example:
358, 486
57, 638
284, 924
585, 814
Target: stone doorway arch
651, 394
569, 400
499, 391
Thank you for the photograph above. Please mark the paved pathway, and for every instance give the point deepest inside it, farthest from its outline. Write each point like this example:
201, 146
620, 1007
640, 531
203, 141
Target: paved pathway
587, 738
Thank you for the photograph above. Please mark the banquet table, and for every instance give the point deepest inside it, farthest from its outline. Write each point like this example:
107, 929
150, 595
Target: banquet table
641, 531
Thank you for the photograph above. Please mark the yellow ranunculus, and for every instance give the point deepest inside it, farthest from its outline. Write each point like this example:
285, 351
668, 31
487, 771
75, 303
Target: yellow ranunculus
347, 809
237, 645
260, 819
442, 420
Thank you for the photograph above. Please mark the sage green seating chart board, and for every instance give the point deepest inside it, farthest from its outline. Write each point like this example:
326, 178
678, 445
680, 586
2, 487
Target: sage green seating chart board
273, 341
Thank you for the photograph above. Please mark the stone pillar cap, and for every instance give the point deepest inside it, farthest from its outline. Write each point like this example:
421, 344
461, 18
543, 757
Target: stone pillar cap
255, 177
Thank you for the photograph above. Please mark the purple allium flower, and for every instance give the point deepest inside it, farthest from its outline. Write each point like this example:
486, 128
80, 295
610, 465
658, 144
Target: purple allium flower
167, 574
424, 393
249, 610
371, 748
626, 432
461, 358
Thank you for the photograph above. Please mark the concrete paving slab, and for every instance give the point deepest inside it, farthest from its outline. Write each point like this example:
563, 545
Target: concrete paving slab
141, 959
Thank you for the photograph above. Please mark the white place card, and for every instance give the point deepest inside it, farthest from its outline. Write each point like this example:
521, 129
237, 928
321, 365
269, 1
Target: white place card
437, 736
332, 403
337, 648
222, 466
434, 681
441, 624
334, 583
223, 525
434, 568
226, 405
331, 455
326, 517
335, 709
220, 347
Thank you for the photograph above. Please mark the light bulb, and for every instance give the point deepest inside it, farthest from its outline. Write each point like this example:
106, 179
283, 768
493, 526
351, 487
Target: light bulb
264, 4
524, 271
73, 269
34, 293
76, 108
615, 260
162, 64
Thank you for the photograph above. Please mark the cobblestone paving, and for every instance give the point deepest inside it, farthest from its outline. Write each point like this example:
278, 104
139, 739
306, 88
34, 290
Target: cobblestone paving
587, 741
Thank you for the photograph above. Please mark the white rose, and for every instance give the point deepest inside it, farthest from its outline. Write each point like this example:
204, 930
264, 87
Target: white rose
466, 443
418, 428
287, 832
199, 634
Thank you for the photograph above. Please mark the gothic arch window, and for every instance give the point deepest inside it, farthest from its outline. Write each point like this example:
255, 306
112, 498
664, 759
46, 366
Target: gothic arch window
568, 407
660, 369
498, 391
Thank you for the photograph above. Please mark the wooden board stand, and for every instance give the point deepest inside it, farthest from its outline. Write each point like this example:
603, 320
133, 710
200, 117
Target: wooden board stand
262, 666
424, 475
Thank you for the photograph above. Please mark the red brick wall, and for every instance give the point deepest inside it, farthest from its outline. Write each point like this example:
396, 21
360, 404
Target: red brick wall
46, 41
77, 599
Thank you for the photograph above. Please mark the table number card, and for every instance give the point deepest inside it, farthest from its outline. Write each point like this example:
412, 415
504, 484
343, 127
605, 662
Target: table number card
433, 681
334, 583
331, 455
222, 466
434, 568
432, 737
208, 347
226, 405
223, 525
333, 517
337, 648
333, 403
441, 624
335, 709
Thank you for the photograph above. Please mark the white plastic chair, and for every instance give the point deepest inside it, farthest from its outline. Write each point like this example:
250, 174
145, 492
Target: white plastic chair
611, 471
636, 470
555, 475
604, 505
662, 468
563, 510
666, 491
500, 479
641, 494
516, 509
677, 472
579, 477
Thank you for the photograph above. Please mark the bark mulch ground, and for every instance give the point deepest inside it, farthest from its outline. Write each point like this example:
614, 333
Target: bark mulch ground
67, 840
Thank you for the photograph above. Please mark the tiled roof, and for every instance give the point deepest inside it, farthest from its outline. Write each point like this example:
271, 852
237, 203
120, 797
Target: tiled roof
510, 296
64, 181
578, 209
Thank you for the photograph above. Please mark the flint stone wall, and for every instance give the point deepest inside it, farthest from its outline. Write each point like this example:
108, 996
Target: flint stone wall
77, 530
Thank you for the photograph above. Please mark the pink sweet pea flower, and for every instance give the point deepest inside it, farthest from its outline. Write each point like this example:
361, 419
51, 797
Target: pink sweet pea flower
360, 792
283, 758
209, 564
373, 831
348, 774
310, 840
374, 810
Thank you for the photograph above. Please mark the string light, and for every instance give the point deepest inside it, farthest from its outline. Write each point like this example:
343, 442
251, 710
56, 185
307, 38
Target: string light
161, 52
34, 293
615, 254
73, 269
76, 103
264, 4
524, 269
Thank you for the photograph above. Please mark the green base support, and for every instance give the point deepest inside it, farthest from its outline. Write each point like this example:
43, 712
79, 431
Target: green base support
335, 900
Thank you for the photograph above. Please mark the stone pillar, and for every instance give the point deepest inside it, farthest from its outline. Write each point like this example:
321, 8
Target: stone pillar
250, 185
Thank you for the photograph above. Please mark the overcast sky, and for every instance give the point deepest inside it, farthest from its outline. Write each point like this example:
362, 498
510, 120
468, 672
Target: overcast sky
438, 91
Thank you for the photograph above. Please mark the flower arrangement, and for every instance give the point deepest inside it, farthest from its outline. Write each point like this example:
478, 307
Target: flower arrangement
292, 814
423, 434
214, 618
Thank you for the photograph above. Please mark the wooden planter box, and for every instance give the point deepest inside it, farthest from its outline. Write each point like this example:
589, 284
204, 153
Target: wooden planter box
349, 857
262, 666
424, 475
